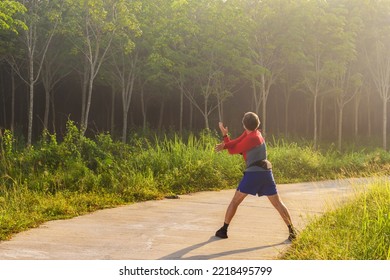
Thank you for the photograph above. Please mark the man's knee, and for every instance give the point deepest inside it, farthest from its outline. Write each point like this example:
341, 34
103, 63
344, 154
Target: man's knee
275, 201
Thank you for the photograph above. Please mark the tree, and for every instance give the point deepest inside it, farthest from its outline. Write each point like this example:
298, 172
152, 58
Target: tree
377, 50
324, 51
11, 24
289, 82
347, 86
202, 53
42, 19
55, 68
274, 37
346, 79
125, 55
92, 25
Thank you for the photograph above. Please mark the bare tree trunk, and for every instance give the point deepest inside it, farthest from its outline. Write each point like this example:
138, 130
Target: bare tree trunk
89, 100
31, 100
263, 119
357, 103
84, 88
112, 117
13, 89
191, 118
256, 100
47, 109
53, 112
2, 92
315, 133
321, 125
286, 112
368, 116
277, 116
124, 128
128, 92
384, 127
143, 109
340, 127
220, 111
181, 111
264, 100
205, 114
160, 120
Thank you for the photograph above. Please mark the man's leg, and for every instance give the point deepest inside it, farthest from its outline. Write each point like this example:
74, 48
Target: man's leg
230, 212
283, 211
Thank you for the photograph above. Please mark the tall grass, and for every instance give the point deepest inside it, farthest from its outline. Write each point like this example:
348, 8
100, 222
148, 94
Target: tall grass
53, 180
294, 162
360, 229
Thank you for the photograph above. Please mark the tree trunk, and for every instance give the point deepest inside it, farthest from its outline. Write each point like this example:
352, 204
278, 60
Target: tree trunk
287, 101
112, 117
143, 109
340, 127
2, 92
256, 102
181, 111
206, 121
89, 100
84, 89
53, 113
205, 113
160, 120
384, 123
357, 103
368, 116
336, 118
264, 99
220, 111
191, 117
124, 128
321, 125
47, 109
31, 100
315, 133
13, 89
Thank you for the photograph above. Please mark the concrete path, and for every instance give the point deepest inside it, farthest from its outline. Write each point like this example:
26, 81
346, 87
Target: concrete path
180, 228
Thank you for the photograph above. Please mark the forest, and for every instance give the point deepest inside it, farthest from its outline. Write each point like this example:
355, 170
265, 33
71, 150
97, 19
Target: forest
312, 69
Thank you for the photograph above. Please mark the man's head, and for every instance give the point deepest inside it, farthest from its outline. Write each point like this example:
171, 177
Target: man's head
251, 121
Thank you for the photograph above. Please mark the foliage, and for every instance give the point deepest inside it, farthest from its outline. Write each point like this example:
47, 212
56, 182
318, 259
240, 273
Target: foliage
9, 9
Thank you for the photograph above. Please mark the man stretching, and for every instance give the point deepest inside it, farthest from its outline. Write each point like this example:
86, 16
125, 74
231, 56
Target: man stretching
258, 178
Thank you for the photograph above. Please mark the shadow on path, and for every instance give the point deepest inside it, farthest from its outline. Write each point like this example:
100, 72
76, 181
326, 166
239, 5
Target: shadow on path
179, 255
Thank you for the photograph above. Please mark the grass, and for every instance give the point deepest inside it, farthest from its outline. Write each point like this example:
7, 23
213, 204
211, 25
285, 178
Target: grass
295, 162
21, 209
358, 230
53, 180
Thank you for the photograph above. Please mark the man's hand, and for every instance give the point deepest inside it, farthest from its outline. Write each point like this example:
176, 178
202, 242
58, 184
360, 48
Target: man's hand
219, 147
224, 130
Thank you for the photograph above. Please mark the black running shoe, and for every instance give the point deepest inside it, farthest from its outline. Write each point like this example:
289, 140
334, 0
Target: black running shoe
221, 233
293, 234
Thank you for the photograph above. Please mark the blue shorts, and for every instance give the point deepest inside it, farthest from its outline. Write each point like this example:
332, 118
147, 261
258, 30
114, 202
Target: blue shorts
258, 183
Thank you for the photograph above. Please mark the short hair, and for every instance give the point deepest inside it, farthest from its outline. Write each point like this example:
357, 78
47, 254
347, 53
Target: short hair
251, 121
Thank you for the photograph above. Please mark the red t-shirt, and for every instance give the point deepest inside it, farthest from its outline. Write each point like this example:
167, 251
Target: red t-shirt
244, 143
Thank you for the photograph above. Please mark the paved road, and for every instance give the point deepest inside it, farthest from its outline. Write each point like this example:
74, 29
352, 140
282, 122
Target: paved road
180, 228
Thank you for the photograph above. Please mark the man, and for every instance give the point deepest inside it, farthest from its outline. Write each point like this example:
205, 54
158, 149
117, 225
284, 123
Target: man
258, 178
